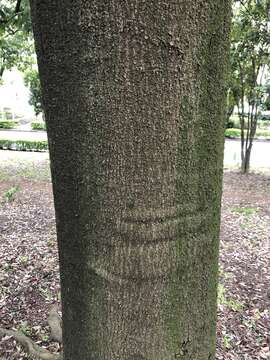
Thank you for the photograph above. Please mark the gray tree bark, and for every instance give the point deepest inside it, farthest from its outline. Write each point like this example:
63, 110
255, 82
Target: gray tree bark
134, 101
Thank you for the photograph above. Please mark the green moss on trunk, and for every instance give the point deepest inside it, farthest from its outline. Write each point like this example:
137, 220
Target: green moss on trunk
134, 101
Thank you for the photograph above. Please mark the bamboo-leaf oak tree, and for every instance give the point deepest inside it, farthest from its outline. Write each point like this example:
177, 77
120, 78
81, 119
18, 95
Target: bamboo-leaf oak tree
134, 101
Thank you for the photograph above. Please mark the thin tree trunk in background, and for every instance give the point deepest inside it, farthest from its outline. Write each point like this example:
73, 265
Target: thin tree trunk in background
2, 69
134, 100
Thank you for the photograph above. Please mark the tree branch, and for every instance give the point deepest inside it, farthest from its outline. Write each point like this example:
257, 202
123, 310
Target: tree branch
18, 6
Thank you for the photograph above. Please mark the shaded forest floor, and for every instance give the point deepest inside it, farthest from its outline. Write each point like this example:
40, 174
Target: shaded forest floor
29, 280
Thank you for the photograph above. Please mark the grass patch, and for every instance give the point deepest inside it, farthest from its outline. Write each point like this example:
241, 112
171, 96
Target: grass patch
24, 165
247, 211
26, 170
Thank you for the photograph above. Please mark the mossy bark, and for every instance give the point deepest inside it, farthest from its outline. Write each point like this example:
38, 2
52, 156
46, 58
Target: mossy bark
134, 101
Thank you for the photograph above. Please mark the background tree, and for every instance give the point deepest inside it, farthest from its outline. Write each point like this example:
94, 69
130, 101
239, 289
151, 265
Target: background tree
31, 79
249, 58
266, 91
134, 101
16, 42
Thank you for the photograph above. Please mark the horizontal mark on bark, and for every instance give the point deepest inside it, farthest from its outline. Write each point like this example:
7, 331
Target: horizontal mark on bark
158, 215
161, 229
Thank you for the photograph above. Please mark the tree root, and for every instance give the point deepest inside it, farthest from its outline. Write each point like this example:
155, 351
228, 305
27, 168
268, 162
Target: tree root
31, 347
55, 323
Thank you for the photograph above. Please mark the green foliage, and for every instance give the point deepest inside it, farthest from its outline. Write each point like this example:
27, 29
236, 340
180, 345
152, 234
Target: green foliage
264, 124
246, 210
249, 57
23, 145
38, 125
231, 304
25, 328
9, 195
230, 124
232, 133
16, 40
227, 342
7, 124
266, 103
31, 79
263, 133
236, 133
234, 122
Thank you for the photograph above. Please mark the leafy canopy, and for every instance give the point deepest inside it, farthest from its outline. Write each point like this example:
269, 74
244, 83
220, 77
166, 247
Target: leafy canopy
16, 41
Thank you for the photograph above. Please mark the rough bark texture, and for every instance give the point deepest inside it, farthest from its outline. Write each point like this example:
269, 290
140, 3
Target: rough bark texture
134, 101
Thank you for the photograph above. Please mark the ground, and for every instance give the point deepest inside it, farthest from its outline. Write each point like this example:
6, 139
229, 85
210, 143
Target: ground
29, 280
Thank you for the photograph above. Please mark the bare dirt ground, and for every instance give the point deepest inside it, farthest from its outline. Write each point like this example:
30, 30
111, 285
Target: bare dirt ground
29, 280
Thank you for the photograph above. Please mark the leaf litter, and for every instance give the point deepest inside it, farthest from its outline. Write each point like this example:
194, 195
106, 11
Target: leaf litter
29, 273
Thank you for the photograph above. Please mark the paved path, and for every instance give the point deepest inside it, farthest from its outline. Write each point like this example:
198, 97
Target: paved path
260, 153
23, 135
260, 156
7, 156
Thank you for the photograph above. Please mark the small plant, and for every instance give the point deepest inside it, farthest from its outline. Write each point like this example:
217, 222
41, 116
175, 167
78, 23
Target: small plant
231, 304
44, 337
51, 242
9, 195
25, 328
23, 259
46, 293
234, 305
227, 342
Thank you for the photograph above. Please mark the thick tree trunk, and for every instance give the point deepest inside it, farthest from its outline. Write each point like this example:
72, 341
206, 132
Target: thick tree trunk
134, 100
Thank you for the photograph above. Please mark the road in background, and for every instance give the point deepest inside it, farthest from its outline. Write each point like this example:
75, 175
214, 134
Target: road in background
260, 155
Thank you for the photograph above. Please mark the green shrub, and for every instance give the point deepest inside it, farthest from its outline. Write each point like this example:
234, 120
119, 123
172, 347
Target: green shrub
38, 125
263, 124
263, 133
9, 115
23, 145
31, 80
230, 124
236, 133
233, 133
7, 124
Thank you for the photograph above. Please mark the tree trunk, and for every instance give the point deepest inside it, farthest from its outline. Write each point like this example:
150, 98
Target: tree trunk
2, 69
245, 165
134, 100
